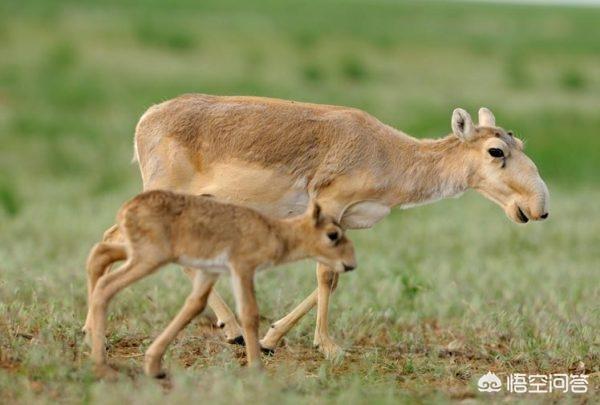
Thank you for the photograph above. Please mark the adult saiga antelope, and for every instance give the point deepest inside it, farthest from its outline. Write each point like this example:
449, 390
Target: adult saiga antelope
275, 155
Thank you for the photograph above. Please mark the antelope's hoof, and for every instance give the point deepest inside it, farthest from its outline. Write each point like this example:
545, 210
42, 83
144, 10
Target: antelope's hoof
159, 374
237, 341
329, 349
267, 351
105, 372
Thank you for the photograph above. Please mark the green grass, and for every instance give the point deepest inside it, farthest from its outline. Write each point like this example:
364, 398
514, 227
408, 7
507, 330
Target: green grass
75, 77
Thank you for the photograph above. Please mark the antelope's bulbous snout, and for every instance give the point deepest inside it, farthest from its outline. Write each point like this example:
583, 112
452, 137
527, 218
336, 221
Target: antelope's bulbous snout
540, 208
544, 211
540, 215
533, 206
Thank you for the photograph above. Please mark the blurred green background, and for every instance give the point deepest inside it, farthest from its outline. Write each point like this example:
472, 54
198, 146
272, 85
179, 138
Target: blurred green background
75, 76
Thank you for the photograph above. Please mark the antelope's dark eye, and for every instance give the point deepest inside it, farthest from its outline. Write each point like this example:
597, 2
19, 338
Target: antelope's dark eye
495, 152
333, 236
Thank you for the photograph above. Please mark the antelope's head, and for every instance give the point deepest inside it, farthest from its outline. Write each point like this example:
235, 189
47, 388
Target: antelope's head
499, 169
326, 242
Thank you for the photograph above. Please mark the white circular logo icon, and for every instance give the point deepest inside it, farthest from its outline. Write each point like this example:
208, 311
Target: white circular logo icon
489, 383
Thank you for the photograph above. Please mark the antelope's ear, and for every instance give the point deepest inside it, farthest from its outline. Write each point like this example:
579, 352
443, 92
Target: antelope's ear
486, 118
462, 124
314, 211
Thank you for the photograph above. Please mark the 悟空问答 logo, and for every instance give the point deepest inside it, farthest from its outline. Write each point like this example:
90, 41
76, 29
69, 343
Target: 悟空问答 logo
489, 383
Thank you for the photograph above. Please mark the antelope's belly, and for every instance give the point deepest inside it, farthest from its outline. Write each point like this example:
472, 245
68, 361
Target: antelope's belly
266, 190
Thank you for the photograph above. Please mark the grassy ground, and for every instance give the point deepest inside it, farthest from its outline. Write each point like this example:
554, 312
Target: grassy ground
443, 294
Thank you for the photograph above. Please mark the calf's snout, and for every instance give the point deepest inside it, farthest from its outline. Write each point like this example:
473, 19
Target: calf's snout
349, 267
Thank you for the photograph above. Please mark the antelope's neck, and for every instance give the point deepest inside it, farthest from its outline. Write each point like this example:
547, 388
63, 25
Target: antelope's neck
430, 170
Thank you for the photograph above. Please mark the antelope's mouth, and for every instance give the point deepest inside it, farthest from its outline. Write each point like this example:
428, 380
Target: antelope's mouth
521, 215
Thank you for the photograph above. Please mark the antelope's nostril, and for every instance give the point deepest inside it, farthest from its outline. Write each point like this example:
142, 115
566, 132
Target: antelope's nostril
348, 268
544, 216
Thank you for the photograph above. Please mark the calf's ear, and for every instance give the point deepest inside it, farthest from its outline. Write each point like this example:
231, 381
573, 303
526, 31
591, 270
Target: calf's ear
462, 124
314, 212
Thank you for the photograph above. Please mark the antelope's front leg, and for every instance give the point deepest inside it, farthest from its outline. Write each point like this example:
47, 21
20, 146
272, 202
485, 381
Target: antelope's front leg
245, 298
225, 317
327, 282
281, 327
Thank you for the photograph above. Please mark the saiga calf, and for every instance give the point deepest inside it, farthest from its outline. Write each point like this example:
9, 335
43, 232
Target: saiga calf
161, 227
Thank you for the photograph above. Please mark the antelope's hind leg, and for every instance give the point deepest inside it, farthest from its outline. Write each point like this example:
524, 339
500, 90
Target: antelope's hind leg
225, 317
195, 303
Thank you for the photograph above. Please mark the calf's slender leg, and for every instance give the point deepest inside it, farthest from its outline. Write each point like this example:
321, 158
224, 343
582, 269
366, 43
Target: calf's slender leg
99, 260
195, 303
106, 288
245, 298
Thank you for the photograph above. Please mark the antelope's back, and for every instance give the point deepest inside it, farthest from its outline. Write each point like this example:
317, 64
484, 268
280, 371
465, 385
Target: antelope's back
263, 130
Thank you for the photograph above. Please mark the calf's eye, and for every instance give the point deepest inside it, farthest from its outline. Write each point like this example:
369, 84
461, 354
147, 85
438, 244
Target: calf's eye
495, 152
333, 236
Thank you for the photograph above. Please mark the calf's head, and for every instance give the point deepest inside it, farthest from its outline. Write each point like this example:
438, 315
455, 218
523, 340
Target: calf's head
325, 240
499, 168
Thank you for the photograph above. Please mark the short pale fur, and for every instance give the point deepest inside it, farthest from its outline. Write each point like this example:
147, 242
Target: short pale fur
274, 155
160, 227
